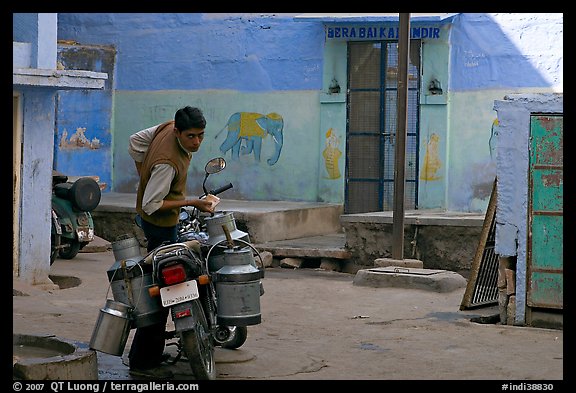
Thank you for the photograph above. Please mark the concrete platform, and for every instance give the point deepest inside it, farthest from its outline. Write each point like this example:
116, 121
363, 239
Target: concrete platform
321, 230
264, 220
414, 278
440, 239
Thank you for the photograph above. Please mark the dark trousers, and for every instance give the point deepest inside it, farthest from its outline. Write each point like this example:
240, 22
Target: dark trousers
156, 235
148, 343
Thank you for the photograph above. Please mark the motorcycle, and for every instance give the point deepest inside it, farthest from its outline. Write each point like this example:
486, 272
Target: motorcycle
211, 231
72, 224
208, 307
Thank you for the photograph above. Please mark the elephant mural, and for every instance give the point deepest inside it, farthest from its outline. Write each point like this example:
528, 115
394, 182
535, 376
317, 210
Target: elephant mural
250, 128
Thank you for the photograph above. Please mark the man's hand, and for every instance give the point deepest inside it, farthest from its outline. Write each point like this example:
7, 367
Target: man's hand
203, 205
212, 199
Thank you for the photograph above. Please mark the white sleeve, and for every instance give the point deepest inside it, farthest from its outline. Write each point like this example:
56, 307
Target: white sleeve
139, 142
157, 188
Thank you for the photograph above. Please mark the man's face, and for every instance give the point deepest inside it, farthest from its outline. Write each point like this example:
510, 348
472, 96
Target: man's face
191, 138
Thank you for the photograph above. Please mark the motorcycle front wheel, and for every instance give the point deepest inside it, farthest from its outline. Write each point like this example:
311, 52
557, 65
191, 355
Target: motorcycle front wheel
198, 345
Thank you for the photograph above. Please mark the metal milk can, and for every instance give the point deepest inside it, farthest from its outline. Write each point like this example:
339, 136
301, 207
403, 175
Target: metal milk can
112, 328
238, 289
130, 280
217, 226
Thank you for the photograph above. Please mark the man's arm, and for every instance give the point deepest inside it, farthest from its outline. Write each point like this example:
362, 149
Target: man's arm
200, 204
138, 145
158, 187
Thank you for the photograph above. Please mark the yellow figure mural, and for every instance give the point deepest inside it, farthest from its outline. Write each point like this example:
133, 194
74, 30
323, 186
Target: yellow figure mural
493, 134
331, 155
432, 161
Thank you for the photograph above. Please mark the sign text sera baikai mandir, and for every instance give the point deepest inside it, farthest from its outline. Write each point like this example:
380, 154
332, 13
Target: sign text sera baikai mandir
355, 32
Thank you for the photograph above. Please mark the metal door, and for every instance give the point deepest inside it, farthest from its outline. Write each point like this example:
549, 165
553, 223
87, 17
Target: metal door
545, 213
371, 126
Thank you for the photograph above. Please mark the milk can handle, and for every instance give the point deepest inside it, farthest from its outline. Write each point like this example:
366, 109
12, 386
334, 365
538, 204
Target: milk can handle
235, 240
228, 236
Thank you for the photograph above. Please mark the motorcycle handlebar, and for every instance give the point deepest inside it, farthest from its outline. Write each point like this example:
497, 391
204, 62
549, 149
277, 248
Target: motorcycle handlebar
221, 189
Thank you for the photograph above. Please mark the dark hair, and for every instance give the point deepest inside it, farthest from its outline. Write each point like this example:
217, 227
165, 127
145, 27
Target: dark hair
188, 117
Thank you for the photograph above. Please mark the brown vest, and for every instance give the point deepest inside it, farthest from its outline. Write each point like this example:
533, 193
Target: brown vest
164, 149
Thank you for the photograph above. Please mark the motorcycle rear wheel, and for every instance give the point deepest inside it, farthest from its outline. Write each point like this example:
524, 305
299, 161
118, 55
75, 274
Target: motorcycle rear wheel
198, 345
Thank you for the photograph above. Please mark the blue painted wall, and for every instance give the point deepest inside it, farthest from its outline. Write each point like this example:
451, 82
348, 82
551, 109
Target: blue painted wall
83, 137
222, 63
83, 142
227, 63
36, 184
205, 51
492, 55
506, 51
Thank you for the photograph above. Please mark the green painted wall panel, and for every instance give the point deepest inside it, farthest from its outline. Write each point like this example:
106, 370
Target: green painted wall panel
547, 140
550, 186
547, 290
546, 235
548, 242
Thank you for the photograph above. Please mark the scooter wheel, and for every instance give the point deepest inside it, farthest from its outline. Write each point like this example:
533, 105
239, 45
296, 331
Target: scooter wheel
70, 249
54, 247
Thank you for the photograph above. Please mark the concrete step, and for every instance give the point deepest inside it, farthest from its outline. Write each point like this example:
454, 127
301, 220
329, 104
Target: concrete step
97, 245
265, 221
268, 223
324, 246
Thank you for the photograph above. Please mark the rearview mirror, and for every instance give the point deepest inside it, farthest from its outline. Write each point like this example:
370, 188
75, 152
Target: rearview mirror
215, 165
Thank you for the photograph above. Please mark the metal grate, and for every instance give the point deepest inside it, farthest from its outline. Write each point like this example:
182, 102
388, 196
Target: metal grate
482, 288
371, 129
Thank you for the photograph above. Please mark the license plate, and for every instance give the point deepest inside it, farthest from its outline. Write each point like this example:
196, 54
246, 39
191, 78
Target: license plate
179, 293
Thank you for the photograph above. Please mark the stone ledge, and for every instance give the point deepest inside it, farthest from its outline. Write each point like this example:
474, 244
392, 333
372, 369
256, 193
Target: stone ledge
407, 263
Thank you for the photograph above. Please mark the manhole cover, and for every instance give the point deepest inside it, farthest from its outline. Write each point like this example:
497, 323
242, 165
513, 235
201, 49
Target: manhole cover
406, 270
65, 282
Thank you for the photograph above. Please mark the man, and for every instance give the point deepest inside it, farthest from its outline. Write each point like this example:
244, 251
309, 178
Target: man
162, 155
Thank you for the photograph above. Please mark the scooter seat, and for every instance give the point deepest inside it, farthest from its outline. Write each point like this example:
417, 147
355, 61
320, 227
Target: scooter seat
58, 178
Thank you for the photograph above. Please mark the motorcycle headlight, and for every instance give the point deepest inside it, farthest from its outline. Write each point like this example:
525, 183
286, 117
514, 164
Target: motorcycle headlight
82, 219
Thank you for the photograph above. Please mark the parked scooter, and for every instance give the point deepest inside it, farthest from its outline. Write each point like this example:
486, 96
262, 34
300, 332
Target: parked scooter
72, 224
178, 276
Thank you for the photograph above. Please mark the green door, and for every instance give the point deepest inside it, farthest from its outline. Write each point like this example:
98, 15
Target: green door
545, 215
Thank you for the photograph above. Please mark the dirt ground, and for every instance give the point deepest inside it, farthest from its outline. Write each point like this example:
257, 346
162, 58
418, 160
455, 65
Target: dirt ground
317, 325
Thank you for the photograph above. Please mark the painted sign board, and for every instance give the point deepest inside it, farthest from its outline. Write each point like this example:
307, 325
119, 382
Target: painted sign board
357, 32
